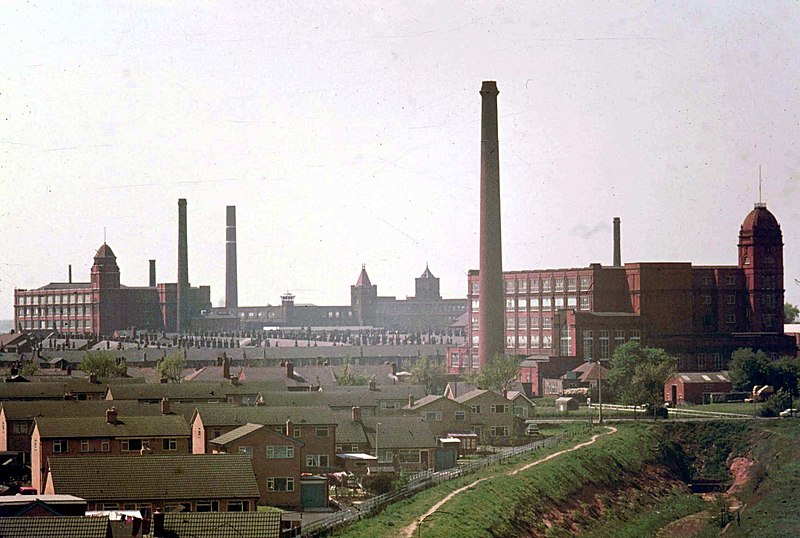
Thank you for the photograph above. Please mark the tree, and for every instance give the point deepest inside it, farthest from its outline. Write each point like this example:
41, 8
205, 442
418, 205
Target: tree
430, 373
790, 313
171, 366
499, 374
748, 368
348, 378
637, 374
101, 364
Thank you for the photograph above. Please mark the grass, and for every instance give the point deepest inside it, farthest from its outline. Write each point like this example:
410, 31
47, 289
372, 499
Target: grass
398, 515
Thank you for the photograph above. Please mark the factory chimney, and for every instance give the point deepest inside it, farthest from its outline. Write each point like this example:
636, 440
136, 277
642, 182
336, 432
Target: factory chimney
152, 273
231, 286
70, 273
491, 254
617, 254
183, 270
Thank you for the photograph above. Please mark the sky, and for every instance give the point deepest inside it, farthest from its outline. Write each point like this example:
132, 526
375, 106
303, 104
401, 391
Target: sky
349, 132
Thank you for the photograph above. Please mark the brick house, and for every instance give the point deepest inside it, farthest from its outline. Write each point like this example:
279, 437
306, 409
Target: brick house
314, 426
492, 416
112, 435
149, 482
407, 443
695, 387
350, 434
443, 415
277, 460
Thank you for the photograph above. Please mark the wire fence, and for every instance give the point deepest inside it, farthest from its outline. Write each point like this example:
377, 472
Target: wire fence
422, 481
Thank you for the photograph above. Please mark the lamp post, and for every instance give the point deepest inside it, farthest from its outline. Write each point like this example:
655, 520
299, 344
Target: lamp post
377, 458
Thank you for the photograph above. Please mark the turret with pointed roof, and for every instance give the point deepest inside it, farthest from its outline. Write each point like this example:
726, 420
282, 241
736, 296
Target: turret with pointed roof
364, 299
427, 286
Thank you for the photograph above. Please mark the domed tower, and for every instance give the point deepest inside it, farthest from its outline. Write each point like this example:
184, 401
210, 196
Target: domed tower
427, 286
364, 299
761, 260
105, 271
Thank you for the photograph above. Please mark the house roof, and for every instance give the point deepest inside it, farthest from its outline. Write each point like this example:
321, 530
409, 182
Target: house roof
422, 402
593, 373
470, 395
89, 427
399, 432
224, 524
347, 430
151, 477
61, 526
363, 278
15, 410
191, 391
229, 415
427, 273
704, 377
247, 429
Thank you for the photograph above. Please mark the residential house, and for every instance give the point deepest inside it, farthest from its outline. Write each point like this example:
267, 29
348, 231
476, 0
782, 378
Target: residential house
492, 416
232, 392
82, 437
218, 525
443, 415
350, 434
48, 527
150, 482
314, 426
522, 406
387, 399
41, 505
277, 460
407, 443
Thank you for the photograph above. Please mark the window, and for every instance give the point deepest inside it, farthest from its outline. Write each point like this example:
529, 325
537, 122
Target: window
730, 280
559, 302
634, 336
572, 301
510, 341
701, 361
585, 303
619, 337
718, 361
454, 360
60, 446
247, 450
316, 460
170, 444
460, 416
19, 427
523, 322
522, 305
730, 318
547, 322
547, 341
475, 361
534, 303
510, 287
475, 286
105, 445
280, 452
565, 340
321, 431
238, 506
509, 322
132, 445
85, 445
534, 285
535, 341
386, 406
522, 340
385, 455
588, 344
476, 409
534, 322
296, 431
559, 284
523, 286
546, 303
475, 340
572, 283
498, 408
546, 284
604, 346
706, 299
498, 431
275, 483
433, 416
706, 280
409, 456
586, 283
475, 304
475, 323
207, 506
510, 303
730, 299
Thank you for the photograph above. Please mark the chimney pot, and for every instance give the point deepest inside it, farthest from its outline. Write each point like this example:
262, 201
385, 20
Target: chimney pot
152, 274
111, 415
372, 385
158, 524
410, 400
356, 413
165, 406
290, 369
226, 366
289, 427
617, 247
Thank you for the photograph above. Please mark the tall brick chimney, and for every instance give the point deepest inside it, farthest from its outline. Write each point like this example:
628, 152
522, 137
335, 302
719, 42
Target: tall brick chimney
152, 273
111, 415
491, 253
70, 273
165, 406
617, 252
356, 413
183, 270
231, 286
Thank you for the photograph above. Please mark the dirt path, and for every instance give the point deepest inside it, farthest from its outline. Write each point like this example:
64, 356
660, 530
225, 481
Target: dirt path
408, 532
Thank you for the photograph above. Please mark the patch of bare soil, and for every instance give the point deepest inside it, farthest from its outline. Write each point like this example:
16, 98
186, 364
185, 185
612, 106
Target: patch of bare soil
686, 526
740, 469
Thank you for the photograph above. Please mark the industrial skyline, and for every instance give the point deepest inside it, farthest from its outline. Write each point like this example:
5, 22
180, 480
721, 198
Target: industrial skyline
658, 114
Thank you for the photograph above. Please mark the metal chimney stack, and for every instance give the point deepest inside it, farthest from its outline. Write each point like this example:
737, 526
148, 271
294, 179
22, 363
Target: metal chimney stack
231, 283
491, 313
617, 253
152, 273
182, 317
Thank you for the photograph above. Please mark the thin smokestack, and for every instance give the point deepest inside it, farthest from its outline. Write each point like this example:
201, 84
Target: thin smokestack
152, 273
617, 253
70, 273
231, 285
491, 253
183, 270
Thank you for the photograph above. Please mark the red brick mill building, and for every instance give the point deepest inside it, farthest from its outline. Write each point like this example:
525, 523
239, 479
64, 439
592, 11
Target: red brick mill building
699, 313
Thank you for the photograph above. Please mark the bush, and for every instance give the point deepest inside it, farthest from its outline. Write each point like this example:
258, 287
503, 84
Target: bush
378, 484
776, 403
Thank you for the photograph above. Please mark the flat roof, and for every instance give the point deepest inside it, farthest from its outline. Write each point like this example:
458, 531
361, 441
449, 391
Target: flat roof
356, 456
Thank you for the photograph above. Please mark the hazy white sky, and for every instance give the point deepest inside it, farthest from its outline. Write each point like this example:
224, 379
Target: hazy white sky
348, 133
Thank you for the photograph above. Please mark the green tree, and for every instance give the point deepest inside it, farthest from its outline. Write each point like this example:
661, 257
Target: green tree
101, 364
638, 374
29, 368
171, 366
348, 378
499, 374
748, 368
790, 313
429, 373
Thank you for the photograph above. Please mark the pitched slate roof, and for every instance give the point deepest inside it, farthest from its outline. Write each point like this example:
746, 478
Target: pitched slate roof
423, 402
152, 477
15, 410
61, 526
227, 415
224, 524
191, 391
84, 427
348, 431
469, 395
239, 432
400, 432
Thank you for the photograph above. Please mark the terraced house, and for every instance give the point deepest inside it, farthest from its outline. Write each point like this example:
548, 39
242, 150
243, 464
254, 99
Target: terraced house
85, 438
